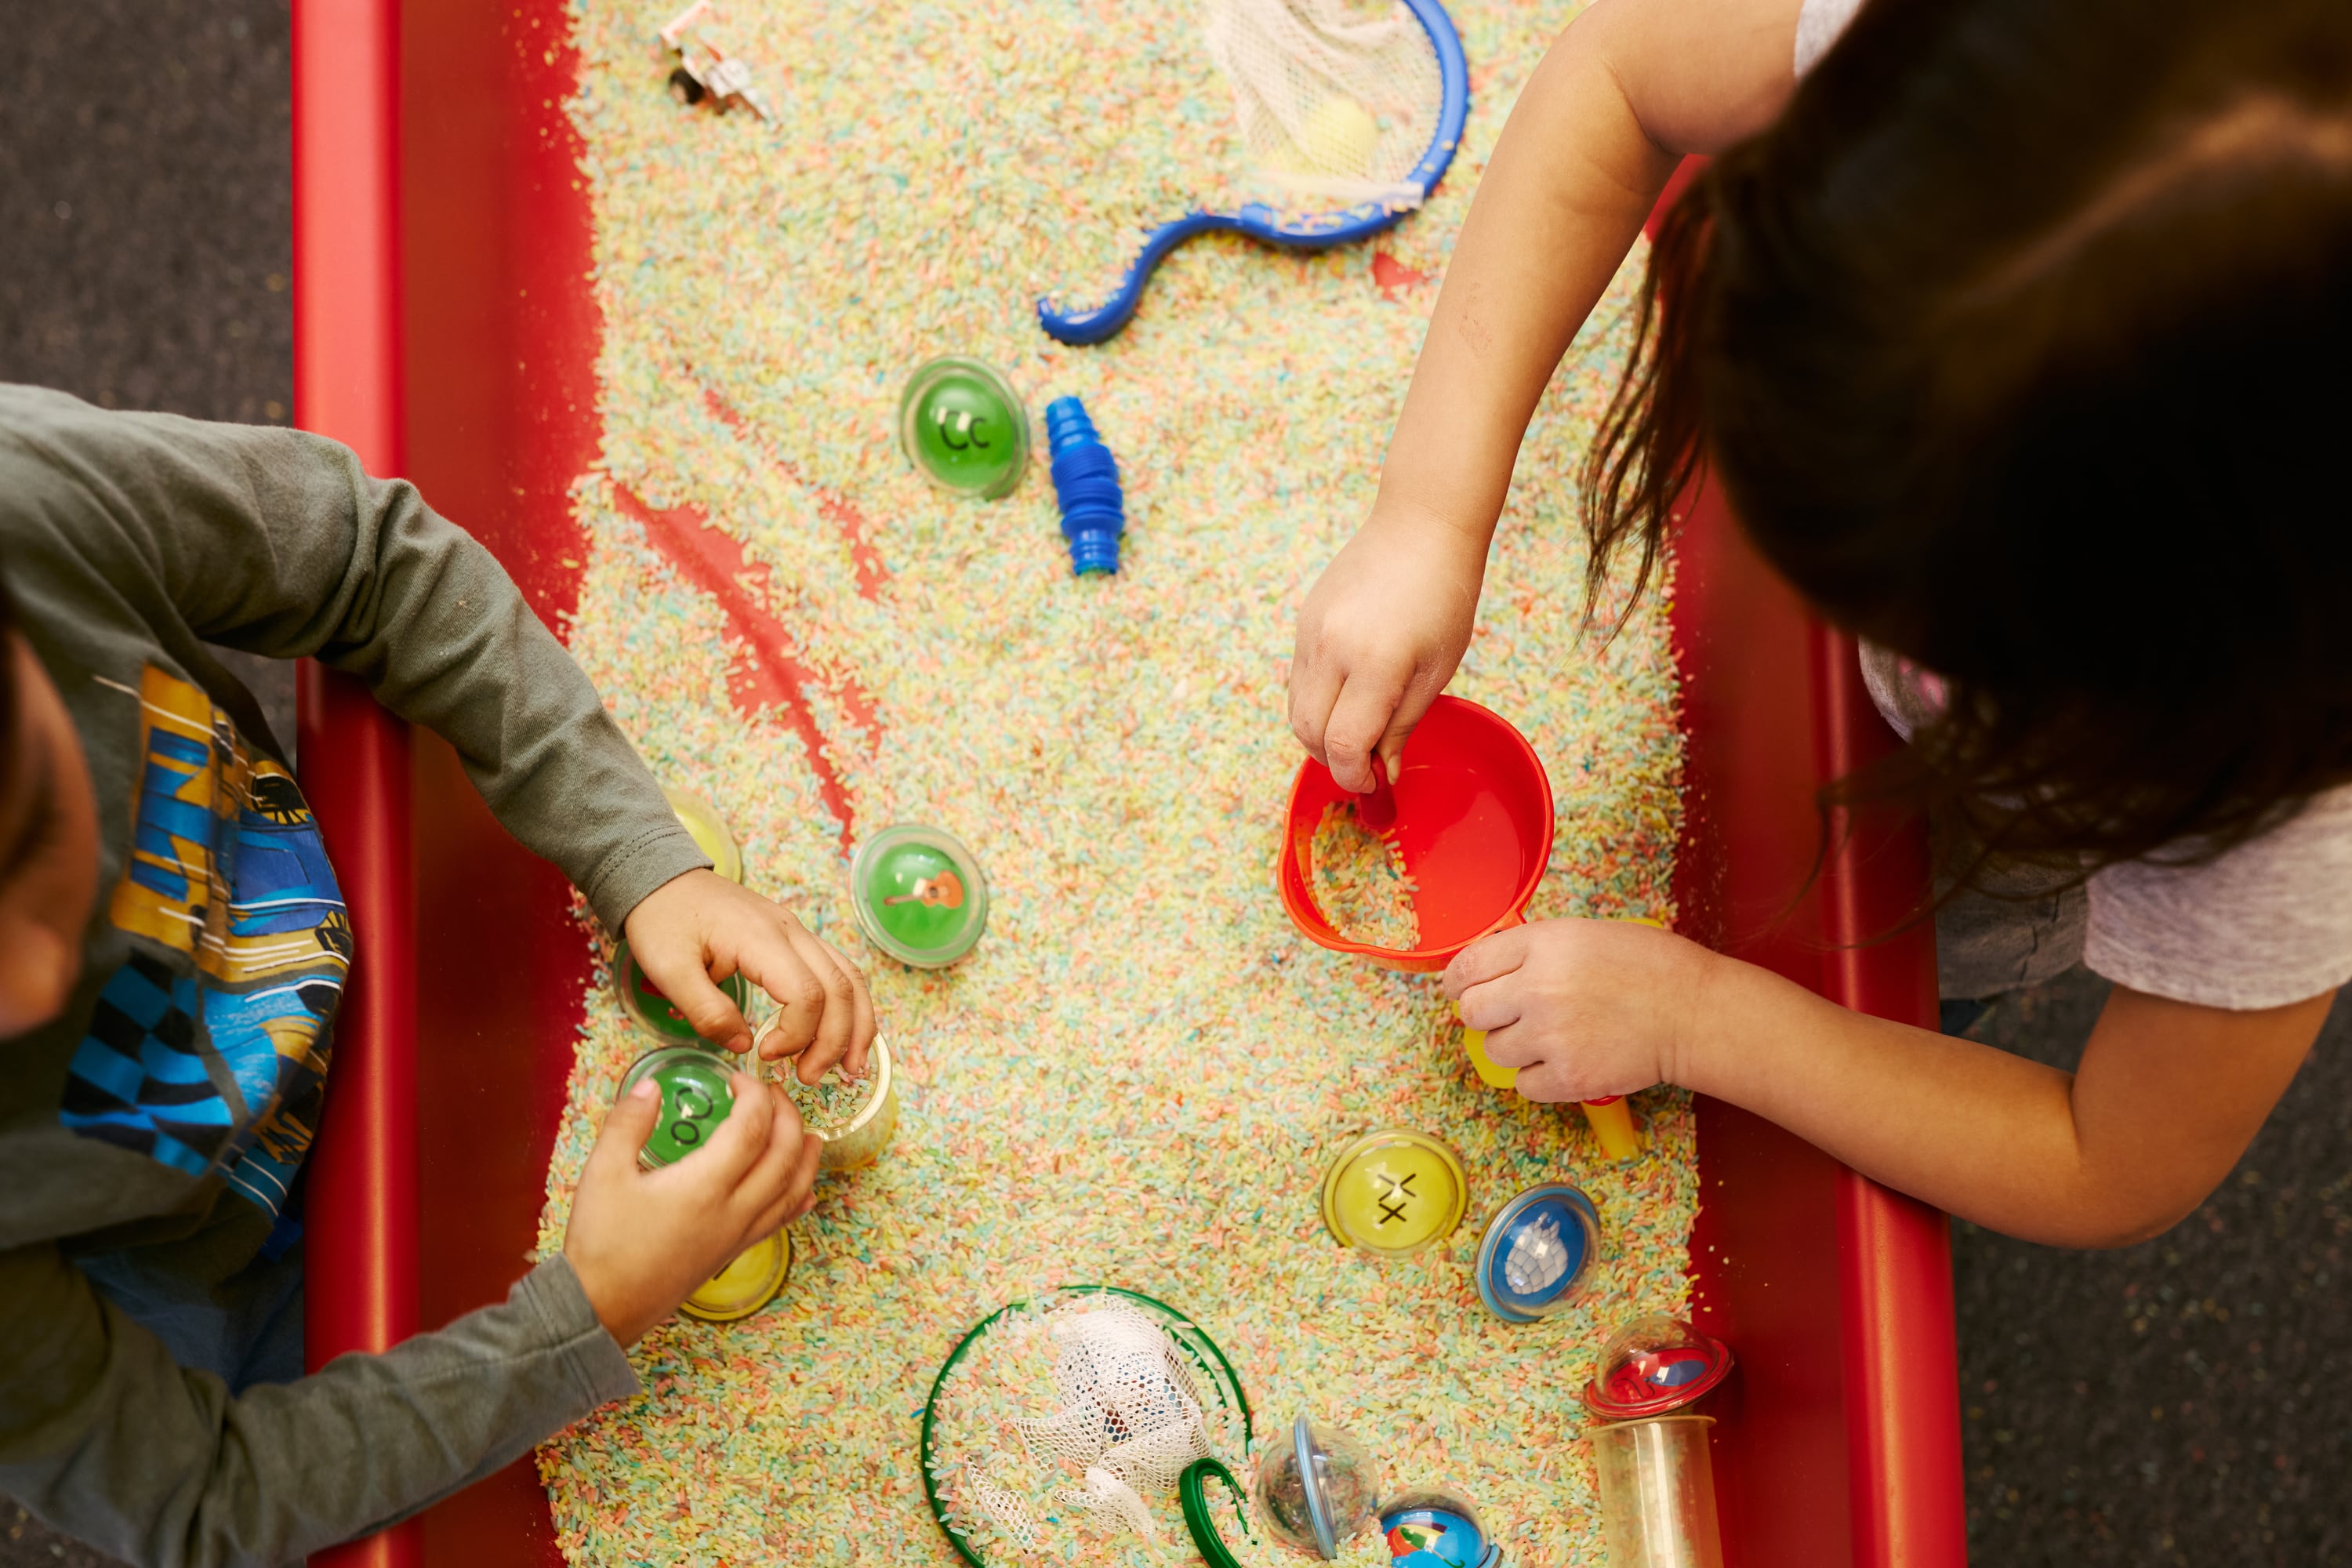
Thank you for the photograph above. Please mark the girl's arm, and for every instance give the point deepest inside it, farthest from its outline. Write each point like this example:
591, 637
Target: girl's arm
1628, 90
2166, 1098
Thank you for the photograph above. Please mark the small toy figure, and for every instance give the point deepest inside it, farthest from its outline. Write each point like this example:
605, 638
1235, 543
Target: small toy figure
705, 69
1433, 1528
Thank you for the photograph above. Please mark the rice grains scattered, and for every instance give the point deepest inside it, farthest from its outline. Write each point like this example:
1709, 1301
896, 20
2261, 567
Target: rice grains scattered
1139, 1074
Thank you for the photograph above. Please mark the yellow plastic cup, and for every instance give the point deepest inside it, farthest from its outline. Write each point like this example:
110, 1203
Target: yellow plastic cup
744, 1285
710, 832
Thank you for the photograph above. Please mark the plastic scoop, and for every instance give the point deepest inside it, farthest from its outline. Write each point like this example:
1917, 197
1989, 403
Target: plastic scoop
1611, 1119
1377, 810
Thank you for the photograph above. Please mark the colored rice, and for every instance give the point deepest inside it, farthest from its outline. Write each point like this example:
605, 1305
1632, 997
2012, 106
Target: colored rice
1360, 882
1138, 1075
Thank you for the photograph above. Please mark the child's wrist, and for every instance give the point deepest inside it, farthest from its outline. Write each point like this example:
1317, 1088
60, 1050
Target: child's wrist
1693, 1032
1397, 514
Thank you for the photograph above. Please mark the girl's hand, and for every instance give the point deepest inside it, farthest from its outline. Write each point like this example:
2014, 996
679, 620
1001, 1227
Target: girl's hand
699, 925
1378, 637
642, 1240
1582, 1008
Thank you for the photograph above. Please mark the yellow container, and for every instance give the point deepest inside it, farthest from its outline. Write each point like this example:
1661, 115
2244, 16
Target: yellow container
1394, 1192
744, 1285
710, 832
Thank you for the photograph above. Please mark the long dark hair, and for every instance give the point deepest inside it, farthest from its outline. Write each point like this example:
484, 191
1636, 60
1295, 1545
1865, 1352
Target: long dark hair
2021, 347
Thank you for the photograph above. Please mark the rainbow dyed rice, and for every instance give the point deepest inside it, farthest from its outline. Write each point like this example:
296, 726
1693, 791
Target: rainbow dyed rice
1138, 1075
1360, 882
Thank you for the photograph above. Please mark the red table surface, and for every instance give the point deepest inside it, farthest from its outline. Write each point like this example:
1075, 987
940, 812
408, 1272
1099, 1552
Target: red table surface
445, 328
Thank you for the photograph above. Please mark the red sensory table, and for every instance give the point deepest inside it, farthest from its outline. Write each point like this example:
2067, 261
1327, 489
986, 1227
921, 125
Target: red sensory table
444, 329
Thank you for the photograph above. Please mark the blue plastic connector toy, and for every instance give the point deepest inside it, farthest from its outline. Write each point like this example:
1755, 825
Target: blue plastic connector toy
1085, 482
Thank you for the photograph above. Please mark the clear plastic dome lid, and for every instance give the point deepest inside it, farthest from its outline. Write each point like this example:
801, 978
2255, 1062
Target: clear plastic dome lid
1317, 1488
1651, 1365
919, 894
1538, 1252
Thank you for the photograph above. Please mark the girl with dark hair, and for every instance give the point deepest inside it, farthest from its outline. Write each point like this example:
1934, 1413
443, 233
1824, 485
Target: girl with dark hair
2013, 332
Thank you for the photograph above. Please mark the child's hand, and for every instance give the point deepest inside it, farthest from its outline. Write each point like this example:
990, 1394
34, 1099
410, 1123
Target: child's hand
1582, 1008
701, 924
642, 1240
1378, 640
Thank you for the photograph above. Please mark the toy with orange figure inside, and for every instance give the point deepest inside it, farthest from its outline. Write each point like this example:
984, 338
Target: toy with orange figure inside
920, 895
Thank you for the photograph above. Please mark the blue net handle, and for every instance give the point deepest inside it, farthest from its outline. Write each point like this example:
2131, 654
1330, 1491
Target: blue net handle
1313, 231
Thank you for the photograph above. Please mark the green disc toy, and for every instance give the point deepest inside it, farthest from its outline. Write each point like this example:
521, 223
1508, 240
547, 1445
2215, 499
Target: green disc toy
652, 1012
963, 425
918, 895
696, 1097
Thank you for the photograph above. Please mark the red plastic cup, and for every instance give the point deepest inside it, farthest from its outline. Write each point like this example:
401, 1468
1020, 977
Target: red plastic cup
1474, 826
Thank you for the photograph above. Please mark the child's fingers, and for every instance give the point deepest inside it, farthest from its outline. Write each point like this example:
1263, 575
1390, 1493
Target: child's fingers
798, 1194
1359, 718
688, 985
763, 1180
773, 962
836, 1023
741, 1139
1419, 693
1314, 688
1488, 957
1543, 1080
626, 1127
1494, 1008
863, 1025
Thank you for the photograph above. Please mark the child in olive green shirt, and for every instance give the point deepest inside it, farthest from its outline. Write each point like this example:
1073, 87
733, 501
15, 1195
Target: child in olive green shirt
173, 946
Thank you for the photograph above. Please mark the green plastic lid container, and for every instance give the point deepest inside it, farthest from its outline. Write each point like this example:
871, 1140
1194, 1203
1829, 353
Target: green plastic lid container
696, 1096
920, 895
962, 424
656, 1014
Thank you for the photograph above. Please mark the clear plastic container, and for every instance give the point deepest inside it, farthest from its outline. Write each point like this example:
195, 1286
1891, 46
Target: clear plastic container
964, 428
855, 1117
651, 1010
1657, 1492
1317, 1489
919, 894
696, 1095
710, 831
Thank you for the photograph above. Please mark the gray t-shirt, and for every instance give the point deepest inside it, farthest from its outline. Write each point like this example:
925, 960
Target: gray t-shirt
2263, 924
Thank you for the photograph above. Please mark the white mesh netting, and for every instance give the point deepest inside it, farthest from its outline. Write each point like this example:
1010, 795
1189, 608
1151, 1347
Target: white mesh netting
1337, 100
1130, 1418
1002, 1502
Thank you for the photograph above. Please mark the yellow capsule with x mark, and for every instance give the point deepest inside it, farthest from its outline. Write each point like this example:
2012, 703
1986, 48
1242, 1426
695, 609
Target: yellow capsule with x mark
1394, 1192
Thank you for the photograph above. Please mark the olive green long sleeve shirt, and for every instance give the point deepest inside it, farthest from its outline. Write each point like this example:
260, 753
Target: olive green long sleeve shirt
156, 1129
